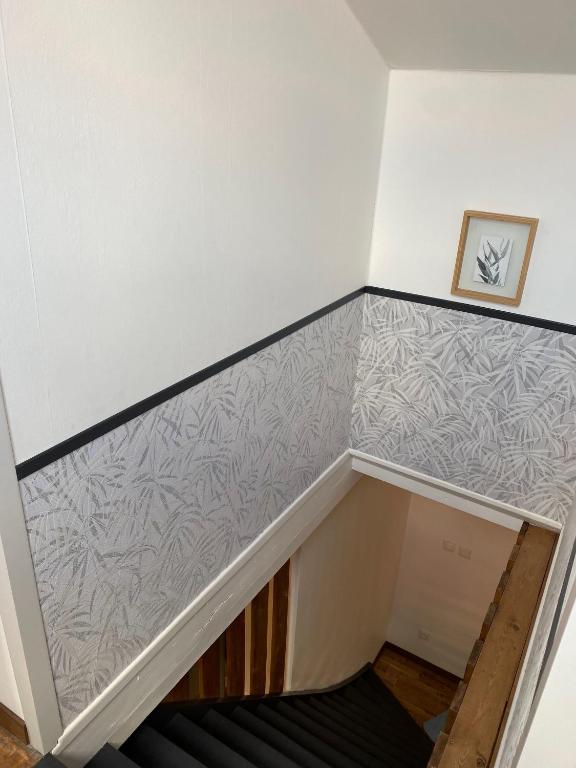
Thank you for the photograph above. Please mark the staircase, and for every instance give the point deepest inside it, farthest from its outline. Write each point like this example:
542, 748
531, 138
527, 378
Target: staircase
356, 725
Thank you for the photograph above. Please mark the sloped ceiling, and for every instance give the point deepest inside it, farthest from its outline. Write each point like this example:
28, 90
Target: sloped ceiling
506, 35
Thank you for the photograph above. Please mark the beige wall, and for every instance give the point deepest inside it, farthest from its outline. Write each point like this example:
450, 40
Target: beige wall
441, 593
376, 570
343, 581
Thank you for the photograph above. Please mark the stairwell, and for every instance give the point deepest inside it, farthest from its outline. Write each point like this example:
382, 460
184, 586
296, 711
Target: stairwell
356, 725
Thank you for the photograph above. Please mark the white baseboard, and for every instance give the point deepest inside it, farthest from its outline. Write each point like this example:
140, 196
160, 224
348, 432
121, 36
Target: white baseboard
446, 493
124, 704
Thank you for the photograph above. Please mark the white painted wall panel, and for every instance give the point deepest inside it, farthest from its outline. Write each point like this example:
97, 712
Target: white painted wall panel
22, 357
195, 176
487, 141
343, 580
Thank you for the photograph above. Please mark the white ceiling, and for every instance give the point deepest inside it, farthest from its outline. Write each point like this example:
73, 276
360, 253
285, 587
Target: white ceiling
509, 35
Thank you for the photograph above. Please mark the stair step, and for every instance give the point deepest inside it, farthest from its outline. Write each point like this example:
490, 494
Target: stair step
280, 741
345, 716
242, 741
405, 729
382, 738
149, 749
375, 690
379, 697
324, 734
371, 685
358, 725
108, 757
305, 738
343, 730
49, 761
374, 721
375, 713
195, 740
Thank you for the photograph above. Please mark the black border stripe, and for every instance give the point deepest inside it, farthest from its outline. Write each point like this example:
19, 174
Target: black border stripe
458, 306
50, 455
41, 460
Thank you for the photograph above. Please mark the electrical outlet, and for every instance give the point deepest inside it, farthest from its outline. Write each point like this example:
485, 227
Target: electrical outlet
423, 635
449, 546
465, 552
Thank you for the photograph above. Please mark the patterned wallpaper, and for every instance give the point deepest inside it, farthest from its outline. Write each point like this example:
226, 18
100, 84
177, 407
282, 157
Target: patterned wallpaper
486, 404
127, 530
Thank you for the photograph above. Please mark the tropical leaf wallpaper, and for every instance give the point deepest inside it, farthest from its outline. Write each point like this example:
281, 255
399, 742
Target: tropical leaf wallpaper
486, 404
127, 530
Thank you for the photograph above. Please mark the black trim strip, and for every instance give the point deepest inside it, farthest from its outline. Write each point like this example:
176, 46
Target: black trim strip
50, 455
458, 306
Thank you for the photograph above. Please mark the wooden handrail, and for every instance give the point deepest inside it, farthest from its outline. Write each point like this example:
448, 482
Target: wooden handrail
480, 705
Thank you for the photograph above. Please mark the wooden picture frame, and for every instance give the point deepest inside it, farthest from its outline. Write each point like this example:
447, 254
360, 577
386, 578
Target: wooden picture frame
494, 253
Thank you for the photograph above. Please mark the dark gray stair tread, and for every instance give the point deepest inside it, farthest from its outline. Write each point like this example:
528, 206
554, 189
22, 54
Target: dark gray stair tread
397, 749
373, 679
376, 707
49, 761
280, 741
345, 715
244, 742
294, 748
305, 738
382, 697
375, 713
325, 734
405, 726
359, 725
344, 730
195, 740
379, 736
404, 722
149, 749
108, 757
377, 721
373, 720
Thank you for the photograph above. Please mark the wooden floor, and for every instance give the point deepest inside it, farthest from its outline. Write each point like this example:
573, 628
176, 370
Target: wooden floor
15, 754
423, 689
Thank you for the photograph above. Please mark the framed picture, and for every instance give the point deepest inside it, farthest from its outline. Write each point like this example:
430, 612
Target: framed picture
493, 256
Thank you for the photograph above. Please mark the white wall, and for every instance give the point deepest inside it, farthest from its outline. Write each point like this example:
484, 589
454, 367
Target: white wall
486, 141
22, 637
8, 688
195, 176
442, 593
342, 586
550, 737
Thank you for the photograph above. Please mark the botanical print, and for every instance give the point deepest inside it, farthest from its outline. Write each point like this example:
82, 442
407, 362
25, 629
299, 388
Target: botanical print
126, 531
485, 404
492, 260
